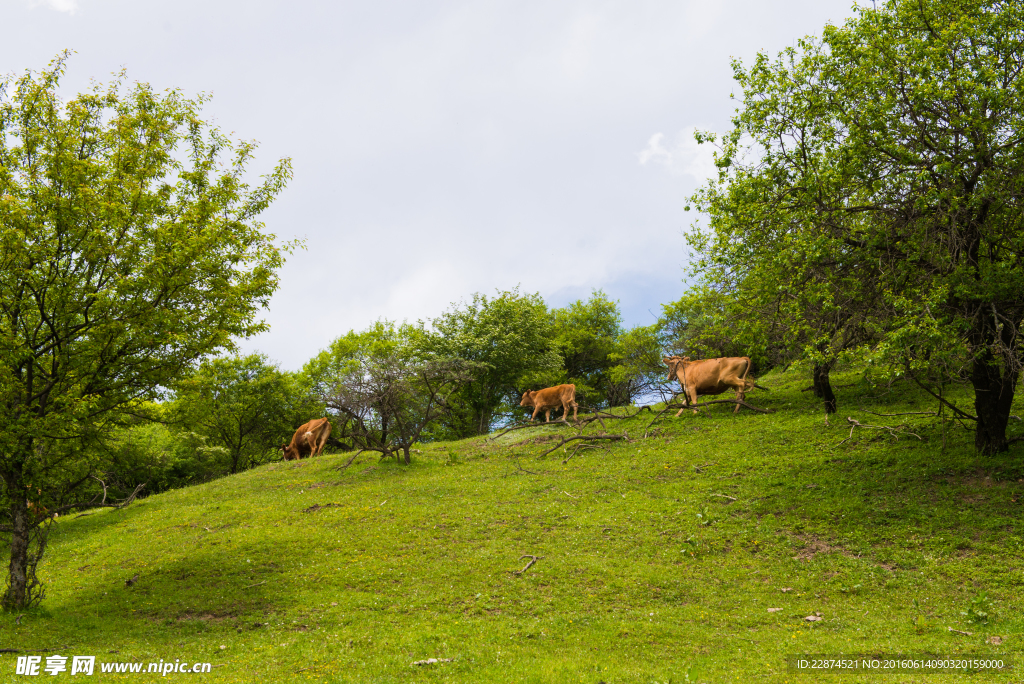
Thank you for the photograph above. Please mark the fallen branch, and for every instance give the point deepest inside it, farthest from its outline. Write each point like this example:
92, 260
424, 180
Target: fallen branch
655, 419
957, 631
102, 504
351, 459
726, 496
533, 559
892, 431
526, 425
586, 438
582, 446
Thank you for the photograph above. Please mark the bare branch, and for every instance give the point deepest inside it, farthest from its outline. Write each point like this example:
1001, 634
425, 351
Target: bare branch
586, 438
533, 559
893, 431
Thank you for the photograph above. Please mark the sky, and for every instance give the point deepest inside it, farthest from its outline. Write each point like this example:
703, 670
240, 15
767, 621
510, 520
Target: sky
443, 148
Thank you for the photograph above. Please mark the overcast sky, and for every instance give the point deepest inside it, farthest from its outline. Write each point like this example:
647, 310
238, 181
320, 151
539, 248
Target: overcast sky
445, 148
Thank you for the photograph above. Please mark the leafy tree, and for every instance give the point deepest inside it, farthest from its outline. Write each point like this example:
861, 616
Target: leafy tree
638, 370
710, 320
890, 150
151, 454
385, 388
127, 253
243, 404
509, 339
585, 336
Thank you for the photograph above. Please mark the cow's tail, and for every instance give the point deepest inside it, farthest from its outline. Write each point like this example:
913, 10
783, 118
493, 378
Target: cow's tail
746, 372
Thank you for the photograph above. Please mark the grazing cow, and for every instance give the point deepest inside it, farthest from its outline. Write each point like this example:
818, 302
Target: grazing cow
309, 438
551, 398
710, 376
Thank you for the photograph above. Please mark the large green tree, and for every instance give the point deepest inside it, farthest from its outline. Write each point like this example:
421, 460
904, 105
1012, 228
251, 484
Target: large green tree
129, 249
243, 404
586, 334
509, 339
888, 155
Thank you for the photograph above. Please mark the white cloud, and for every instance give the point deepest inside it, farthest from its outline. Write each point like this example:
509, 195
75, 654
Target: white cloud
68, 6
682, 157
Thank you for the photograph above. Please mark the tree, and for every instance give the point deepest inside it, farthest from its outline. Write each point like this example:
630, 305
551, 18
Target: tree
241, 403
585, 334
126, 254
638, 370
894, 144
385, 388
509, 339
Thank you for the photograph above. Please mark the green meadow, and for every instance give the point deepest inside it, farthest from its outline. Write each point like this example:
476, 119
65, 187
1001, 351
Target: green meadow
696, 551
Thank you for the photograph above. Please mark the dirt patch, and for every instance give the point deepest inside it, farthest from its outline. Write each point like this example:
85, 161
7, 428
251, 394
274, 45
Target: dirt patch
813, 545
316, 507
204, 617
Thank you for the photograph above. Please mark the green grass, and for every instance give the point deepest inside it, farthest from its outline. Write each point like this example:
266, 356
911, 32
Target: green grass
659, 558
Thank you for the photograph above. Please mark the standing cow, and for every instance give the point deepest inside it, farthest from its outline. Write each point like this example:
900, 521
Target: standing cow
310, 439
551, 398
710, 376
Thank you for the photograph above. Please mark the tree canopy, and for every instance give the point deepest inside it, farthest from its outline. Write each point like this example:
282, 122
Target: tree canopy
509, 338
871, 189
243, 404
127, 253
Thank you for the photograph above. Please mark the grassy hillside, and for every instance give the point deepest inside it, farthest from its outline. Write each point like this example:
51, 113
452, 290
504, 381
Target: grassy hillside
697, 552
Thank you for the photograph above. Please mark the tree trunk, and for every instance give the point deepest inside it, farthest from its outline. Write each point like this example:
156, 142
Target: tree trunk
408, 459
994, 388
16, 596
823, 388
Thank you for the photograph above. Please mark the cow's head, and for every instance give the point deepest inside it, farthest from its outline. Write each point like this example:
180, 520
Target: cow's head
674, 363
527, 398
289, 452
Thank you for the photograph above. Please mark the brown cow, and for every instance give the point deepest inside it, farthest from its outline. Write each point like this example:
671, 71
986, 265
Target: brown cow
710, 376
309, 438
551, 398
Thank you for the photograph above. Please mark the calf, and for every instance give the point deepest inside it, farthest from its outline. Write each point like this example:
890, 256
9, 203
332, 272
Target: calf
310, 439
551, 398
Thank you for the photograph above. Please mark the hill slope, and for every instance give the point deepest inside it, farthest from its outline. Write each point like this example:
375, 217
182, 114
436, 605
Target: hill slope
698, 551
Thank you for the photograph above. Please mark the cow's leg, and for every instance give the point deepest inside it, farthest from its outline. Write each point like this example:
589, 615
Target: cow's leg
691, 395
740, 396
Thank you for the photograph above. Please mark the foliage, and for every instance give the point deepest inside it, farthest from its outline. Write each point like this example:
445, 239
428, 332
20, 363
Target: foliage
126, 254
384, 388
243, 404
586, 335
509, 339
150, 454
707, 323
638, 372
881, 199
